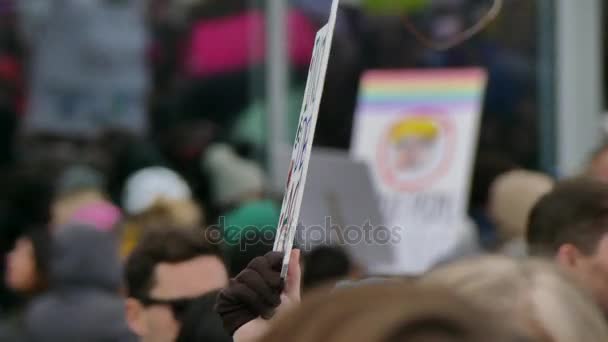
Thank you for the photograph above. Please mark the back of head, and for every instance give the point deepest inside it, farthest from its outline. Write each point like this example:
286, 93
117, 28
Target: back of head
83, 303
512, 197
254, 243
542, 303
202, 323
234, 179
386, 313
163, 213
249, 232
82, 257
79, 178
163, 245
146, 186
325, 264
574, 212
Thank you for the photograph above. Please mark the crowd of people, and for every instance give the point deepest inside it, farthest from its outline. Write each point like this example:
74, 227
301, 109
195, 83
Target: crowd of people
134, 206
553, 290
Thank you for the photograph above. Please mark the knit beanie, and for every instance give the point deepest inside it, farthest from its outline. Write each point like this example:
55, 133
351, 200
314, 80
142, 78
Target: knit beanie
249, 232
232, 177
261, 216
146, 186
512, 197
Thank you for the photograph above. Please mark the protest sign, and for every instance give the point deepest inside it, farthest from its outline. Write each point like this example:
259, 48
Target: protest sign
417, 130
300, 156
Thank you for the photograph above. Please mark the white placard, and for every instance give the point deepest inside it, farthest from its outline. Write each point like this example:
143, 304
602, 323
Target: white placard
417, 130
296, 179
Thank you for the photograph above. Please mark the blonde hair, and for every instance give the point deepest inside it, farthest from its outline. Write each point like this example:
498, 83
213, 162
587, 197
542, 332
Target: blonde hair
421, 127
534, 294
161, 214
386, 312
65, 205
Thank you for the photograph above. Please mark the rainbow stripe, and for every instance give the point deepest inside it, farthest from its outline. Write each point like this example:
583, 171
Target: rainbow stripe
383, 90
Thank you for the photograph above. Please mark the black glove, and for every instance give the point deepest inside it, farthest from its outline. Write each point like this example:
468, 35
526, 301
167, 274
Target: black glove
255, 292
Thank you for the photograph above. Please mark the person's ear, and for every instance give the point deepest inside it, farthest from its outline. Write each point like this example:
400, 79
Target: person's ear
569, 257
135, 316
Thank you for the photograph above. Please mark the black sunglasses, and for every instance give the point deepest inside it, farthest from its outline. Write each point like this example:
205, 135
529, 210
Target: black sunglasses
179, 306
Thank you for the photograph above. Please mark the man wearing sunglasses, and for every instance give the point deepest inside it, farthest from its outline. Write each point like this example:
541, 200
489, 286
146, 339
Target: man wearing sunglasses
167, 271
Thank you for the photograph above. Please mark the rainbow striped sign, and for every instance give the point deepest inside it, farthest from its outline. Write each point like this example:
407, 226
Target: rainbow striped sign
386, 89
417, 130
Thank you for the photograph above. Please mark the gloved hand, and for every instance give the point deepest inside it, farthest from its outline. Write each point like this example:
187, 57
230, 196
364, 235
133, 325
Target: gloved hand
255, 292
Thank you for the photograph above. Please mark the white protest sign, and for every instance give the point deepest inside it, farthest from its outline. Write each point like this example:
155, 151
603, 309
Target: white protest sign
417, 130
298, 168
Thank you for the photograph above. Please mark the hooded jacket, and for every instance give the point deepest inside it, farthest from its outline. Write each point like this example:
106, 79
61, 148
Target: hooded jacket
83, 303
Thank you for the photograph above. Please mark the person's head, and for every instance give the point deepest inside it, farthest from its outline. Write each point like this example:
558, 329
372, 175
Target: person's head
159, 196
162, 213
570, 224
79, 186
542, 303
598, 165
83, 302
167, 270
326, 265
234, 179
66, 205
148, 186
248, 232
27, 263
254, 243
512, 197
156, 197
202, 323
387, 313
83, 257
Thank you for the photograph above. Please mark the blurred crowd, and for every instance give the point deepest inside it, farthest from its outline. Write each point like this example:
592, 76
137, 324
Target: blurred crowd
132, 136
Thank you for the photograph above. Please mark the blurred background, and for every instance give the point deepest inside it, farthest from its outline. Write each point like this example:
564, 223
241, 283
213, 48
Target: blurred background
120, 100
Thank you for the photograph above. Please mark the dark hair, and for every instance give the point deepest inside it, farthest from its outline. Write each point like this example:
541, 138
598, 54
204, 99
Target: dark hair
41, 244
254, 243
575, 212
25, 203
324, 264
202, 323
170, 245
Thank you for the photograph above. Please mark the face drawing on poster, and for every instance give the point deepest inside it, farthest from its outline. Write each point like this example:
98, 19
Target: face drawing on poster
415, 150
413, 144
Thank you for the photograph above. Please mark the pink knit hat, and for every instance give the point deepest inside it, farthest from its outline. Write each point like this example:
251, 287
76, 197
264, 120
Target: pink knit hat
102, 215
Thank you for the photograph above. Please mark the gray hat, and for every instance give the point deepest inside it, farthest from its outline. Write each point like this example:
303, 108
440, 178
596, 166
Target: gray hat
232, 177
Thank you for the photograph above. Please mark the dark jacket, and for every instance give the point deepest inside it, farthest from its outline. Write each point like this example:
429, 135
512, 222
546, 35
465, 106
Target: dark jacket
83, 303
